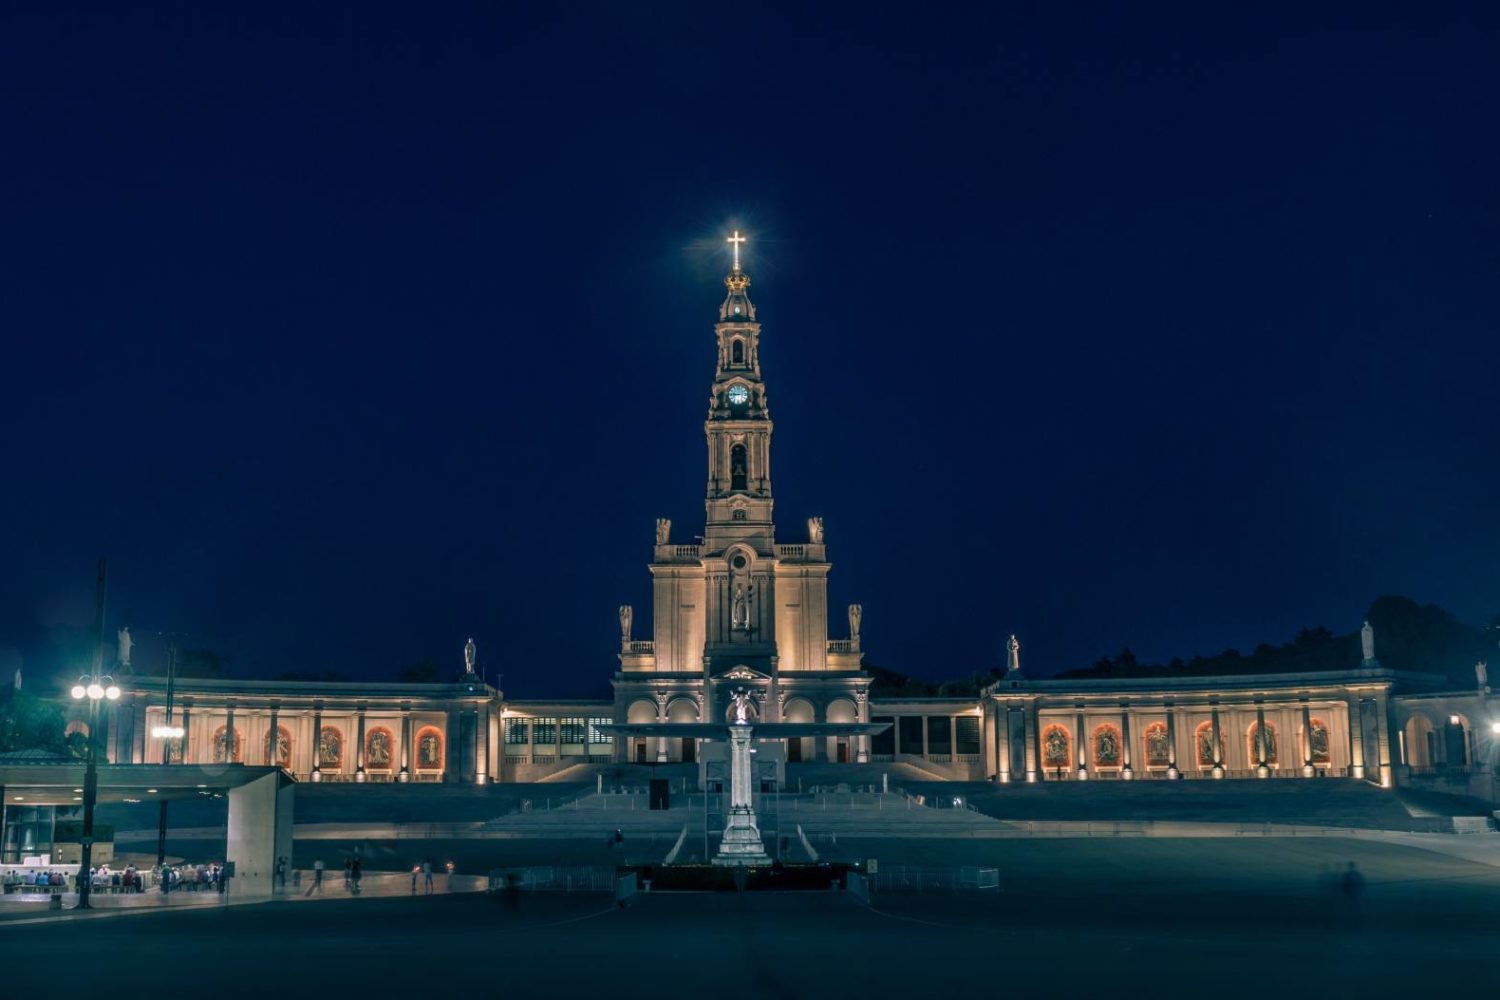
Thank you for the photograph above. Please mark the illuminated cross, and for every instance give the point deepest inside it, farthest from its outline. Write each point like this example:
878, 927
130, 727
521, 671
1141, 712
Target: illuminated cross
735, 242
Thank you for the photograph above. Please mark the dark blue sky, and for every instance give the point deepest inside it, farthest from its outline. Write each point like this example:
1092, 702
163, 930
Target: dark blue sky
346, 334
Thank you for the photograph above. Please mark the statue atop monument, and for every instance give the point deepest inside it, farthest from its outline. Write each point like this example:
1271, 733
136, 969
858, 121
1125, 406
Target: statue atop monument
1482, 675
627, 616
470, 653
815, 530
1012, 656
856, 617
1367, 643
125, 642
740, 704
663, 530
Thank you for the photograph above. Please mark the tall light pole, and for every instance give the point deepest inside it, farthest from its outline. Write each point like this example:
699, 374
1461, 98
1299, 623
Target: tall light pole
167, 733
96, 687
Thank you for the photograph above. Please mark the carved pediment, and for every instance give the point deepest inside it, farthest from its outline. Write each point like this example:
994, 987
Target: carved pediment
740, 672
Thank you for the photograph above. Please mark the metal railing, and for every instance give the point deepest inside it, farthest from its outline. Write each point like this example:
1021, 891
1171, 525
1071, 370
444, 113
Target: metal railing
592, 878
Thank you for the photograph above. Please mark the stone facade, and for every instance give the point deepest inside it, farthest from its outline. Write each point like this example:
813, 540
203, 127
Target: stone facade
738, 608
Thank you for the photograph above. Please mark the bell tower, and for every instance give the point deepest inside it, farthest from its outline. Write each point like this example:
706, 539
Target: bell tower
738, 426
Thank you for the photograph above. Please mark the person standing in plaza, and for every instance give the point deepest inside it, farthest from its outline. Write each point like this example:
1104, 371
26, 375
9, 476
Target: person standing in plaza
427, 876
348, 873
354, 873
317, 885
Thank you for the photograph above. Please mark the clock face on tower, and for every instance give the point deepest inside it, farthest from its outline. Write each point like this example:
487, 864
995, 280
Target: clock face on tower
738, 395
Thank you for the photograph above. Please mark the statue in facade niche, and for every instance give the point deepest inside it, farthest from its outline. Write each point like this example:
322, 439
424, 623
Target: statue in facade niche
739, 610
856, 616
815, 530
471, 651
125, 642
663, 530
627, 616
1367, 642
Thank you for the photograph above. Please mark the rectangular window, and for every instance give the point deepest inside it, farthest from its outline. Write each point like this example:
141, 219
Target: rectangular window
517, 731
598, 736
966, 734
911, 734
939, 734
573, 731
546, 732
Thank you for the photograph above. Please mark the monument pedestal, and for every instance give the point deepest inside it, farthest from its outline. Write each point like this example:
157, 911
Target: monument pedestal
742, 844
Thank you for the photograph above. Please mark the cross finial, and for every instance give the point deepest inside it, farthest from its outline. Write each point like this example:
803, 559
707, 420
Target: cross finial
735, 241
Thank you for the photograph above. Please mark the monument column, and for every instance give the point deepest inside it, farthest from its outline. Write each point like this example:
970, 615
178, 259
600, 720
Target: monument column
271, 741
1002, 734
405, 774
317, 741
1217, 749
1125, 772
862, 741
1356, 738
359, 745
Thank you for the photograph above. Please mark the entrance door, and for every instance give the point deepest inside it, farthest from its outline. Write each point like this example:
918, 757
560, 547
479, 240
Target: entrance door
640, 751
689, 750
794, 751
843, 751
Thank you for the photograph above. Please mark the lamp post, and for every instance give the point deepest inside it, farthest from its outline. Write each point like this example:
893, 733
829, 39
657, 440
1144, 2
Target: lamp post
96, 687
167, 733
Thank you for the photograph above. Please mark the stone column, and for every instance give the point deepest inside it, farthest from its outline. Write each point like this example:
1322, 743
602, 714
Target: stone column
1262, 767
1217, 747
271, 736
1308, 770
661, 718
405, 774
1125, 772
1032, 739
138, 752
187, 734
1356, 739
1080, 742
482, 743
923, 717
1002, 734
359, 745
1382, 753
229, 733
862, 741
317, 742
1172, 712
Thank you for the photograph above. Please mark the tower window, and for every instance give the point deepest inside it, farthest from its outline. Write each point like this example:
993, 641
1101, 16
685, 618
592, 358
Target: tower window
739, 515
737, 352
738, 470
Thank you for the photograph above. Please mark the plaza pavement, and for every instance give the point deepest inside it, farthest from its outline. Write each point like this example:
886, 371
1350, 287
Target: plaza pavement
1125, 930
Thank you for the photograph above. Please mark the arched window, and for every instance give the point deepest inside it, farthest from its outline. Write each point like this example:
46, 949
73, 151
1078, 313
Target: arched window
1055, 747
429, 749
1107, 746
330, 748
1203, 740
739, 474
1318, 746
283, 754
737, 352
220, 736
1256, 736
740, 515
76, 726
1158, 749
379, 749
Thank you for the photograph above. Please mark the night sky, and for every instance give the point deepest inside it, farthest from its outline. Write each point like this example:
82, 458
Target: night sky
346, 334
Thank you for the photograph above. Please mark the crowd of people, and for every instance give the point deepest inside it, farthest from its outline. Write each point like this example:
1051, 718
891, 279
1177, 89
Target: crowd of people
33, 880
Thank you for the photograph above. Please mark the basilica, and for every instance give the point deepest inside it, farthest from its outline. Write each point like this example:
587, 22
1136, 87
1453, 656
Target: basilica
739, 608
